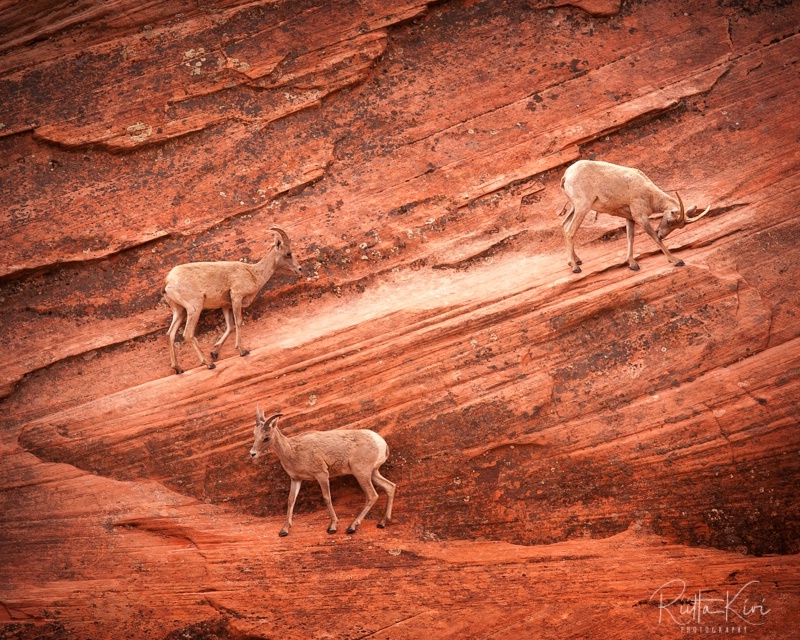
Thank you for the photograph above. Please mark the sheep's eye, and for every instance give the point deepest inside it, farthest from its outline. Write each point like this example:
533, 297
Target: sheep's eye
289, 255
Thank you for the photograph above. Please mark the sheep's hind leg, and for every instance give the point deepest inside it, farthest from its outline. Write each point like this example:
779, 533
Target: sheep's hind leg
188, 334
570, 226
192, 312
178, 317
389, 487
372, 497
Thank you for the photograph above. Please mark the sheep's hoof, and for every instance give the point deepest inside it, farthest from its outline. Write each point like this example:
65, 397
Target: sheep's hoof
212, 366
381, 524
283, 534
244, 353
576, 269
331, 531
351, 529
178, 372
214, 355
633, 267
679, 263
579, 261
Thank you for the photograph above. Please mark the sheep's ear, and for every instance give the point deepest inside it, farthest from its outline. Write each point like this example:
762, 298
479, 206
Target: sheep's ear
259, 414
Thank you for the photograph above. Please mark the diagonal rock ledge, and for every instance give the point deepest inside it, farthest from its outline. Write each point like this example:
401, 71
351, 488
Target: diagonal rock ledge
577, 443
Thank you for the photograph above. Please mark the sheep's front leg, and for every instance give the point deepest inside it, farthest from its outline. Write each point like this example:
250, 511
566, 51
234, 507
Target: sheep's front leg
325, 485
294, 489
228, 313
629, 228
645, 223
237, 320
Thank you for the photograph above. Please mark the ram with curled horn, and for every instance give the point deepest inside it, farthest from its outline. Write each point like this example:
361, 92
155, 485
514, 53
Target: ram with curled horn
624, 192
684, 217
230, 286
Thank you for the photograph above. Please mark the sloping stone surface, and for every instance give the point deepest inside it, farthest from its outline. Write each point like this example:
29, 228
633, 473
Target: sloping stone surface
571, 451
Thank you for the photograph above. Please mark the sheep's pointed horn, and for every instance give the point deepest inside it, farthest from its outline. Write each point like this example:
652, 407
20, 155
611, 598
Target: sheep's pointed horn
680, 202
696, 218
273, 418
284, 236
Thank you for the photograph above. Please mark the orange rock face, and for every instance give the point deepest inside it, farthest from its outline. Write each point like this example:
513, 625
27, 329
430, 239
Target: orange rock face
604, 454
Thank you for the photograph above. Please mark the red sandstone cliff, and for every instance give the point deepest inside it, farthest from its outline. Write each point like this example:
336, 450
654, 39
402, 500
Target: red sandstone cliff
563, 444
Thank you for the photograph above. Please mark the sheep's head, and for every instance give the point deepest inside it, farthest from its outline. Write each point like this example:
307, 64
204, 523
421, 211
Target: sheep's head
677, 218
263, 432
286, 259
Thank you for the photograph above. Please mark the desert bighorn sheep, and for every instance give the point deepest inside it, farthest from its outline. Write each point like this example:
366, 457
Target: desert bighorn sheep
320, 455
620, 191
230, 286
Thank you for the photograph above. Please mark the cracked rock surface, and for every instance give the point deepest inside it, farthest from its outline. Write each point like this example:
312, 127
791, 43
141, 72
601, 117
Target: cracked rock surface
571, 450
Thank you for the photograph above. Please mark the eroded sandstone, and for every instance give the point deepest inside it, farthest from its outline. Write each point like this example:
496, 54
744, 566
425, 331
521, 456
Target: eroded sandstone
564, 445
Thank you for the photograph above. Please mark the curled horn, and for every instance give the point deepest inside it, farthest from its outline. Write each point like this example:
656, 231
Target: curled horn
696, 218
680, 202
284, 236
266, 425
